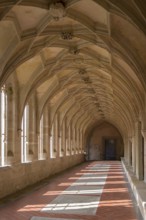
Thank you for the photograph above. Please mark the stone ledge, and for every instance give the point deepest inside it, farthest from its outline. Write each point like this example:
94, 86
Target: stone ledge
5, 167
138, 187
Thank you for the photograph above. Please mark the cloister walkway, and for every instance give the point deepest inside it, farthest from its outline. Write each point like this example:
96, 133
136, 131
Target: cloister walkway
95, 190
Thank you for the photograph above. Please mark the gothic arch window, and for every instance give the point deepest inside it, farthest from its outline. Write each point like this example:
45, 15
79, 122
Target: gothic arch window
3, 126
41, 138
52, 142
24, 135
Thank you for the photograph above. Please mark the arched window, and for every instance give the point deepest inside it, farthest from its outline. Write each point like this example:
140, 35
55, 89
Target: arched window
53, 151
60, 145
52, 142
3, 126
41, 138
24, 135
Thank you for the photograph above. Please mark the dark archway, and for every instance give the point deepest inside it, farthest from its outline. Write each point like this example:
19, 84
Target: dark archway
105, 143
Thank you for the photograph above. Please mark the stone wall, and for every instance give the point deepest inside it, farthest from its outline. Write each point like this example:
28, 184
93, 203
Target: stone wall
19, 176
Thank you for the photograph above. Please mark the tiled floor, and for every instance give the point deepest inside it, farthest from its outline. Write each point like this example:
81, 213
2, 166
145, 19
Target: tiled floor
96, 190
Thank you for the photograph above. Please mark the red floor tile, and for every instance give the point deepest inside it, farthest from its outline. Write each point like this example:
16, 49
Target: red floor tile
115, 202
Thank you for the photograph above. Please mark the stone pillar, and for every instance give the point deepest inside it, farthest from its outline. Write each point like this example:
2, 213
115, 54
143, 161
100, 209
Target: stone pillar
129, 159
49, 133
138, 147
69, 139
144, 156
67, 142
126, 149
17, 132
81, 142
32, 136
134, 154
11, 124
74, 140
59, 136
78, 141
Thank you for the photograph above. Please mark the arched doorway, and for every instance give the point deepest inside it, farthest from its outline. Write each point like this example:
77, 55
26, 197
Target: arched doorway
110, 149
105, 143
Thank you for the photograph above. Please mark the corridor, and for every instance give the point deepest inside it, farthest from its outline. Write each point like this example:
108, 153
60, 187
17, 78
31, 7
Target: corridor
95, 190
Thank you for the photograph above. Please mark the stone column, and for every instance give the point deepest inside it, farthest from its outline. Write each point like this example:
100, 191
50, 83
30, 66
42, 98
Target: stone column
81, 142
134, 154
144, 156
49, 133
11, 125
69, 139
138, 147
32, 136
129, 159
78, 140
126, 149
17, 132
74, 140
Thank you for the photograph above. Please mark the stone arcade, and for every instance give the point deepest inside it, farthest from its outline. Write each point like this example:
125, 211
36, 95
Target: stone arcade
72, 85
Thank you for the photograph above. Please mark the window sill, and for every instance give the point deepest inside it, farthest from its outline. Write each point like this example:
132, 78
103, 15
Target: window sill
5, 167
27, 162
52, 157
42, 159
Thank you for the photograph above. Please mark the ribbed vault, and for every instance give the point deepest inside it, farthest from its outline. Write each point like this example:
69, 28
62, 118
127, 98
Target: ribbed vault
80, 58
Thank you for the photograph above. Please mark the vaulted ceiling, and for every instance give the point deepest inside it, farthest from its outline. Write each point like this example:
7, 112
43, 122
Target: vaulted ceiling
80, 57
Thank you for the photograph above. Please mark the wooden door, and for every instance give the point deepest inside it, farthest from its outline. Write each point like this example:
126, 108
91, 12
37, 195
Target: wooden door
110, 149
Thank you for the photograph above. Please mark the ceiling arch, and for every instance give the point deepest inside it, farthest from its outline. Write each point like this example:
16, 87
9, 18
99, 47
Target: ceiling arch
77, 57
